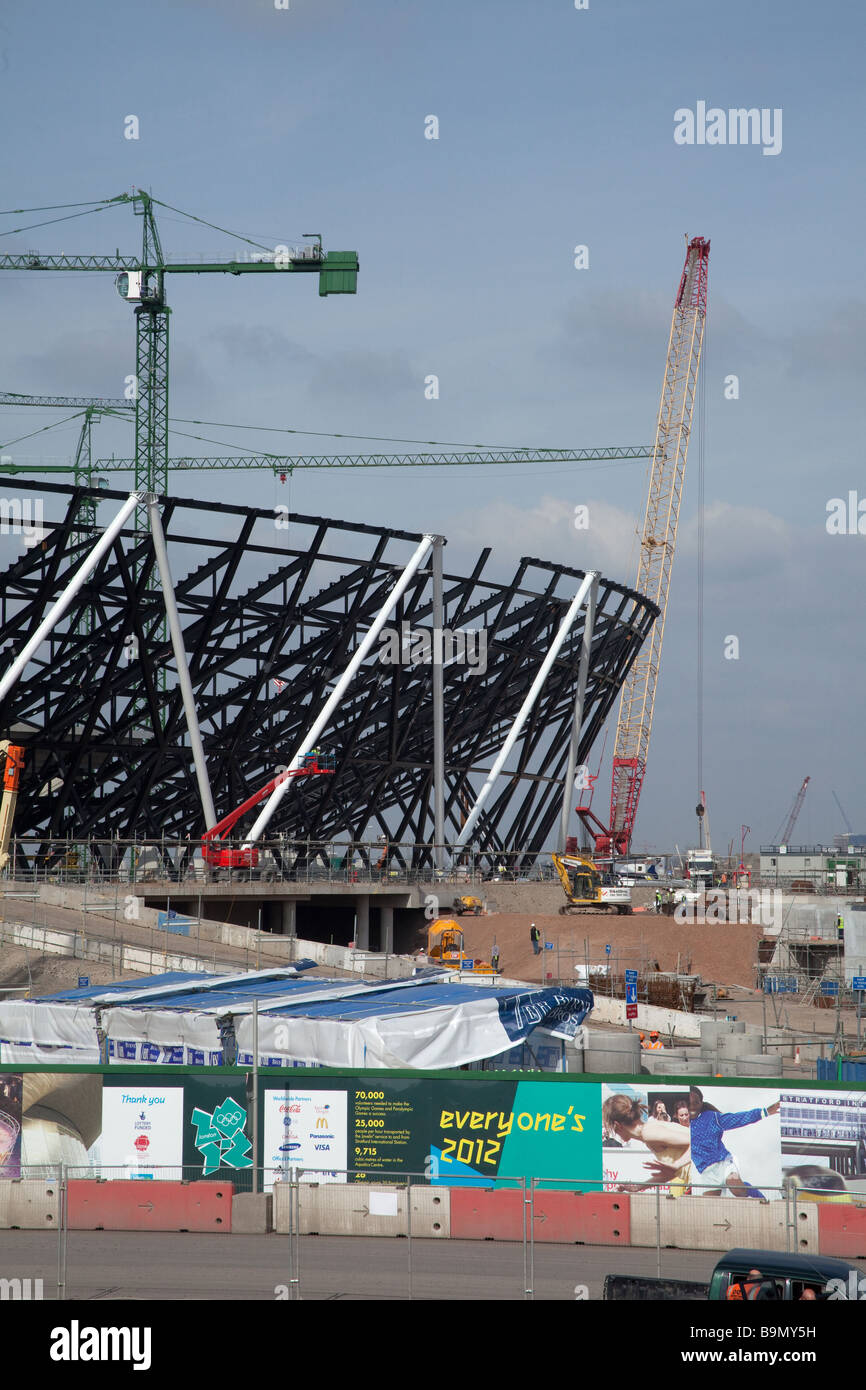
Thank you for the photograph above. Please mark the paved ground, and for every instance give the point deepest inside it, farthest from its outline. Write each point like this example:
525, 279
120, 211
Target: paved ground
105, 1265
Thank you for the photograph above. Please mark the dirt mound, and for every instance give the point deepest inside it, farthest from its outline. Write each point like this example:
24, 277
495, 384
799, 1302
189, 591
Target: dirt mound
722, 954
23, 969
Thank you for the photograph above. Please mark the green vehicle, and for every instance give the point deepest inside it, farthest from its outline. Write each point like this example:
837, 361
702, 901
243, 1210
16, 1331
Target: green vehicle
784, 1278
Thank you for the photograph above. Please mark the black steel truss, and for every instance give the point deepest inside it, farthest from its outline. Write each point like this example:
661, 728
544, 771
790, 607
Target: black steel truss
265, 598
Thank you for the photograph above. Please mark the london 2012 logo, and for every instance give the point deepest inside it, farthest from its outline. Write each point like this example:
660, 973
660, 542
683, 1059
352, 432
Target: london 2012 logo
220, 1137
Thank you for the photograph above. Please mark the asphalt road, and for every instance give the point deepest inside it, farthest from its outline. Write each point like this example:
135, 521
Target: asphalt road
107, 1265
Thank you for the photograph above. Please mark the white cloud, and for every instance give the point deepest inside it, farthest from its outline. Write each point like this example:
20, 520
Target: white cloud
546, 531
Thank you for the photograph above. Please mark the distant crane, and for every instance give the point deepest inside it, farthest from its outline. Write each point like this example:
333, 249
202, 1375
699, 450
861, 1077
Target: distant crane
658, 541
795, 811
848, 825
87, 410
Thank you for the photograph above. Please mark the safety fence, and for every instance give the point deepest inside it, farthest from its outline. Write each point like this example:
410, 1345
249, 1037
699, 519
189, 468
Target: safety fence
74, 1232
272, 861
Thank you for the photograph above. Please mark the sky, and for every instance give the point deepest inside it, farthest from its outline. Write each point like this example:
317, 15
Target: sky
555, 130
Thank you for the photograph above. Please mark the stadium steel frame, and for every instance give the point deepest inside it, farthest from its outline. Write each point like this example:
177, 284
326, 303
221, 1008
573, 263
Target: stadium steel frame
265, 597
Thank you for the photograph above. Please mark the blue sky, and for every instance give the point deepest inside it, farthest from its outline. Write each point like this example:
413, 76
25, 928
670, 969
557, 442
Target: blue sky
555, 129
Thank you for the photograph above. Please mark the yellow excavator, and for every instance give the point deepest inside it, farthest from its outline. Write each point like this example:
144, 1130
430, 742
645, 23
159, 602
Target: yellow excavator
583, 888
446, 946
467, 904
11, 777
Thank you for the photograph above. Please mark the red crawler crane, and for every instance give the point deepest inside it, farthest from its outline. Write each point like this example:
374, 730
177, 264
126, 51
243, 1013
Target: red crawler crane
658, 541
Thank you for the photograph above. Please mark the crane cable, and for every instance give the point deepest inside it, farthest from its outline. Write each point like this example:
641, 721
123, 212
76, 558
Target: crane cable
702, 430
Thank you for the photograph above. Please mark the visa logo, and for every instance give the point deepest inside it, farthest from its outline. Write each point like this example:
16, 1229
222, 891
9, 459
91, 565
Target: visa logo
323, 1148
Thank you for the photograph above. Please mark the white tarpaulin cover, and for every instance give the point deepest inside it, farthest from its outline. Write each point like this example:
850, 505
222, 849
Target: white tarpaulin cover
428, 1022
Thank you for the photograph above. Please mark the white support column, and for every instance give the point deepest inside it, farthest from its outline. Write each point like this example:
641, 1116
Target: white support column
176, 631
337, 694
577, 724
438, 711
77, 582
362, 923
386, 930
524, 711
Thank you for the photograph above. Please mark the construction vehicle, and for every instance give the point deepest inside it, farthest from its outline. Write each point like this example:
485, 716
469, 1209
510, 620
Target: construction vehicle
219, 856
584, 890
446, 946
658, 542
467, 904
11, 778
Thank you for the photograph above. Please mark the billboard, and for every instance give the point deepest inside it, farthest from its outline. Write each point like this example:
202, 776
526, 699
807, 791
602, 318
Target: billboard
689, 1141
141, 1132
743, 1141
305, 1129
10, 1125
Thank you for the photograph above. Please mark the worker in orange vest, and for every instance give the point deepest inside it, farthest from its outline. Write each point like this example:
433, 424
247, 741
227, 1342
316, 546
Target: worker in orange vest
654, 1044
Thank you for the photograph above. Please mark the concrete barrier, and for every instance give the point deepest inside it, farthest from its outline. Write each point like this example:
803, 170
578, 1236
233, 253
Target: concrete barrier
570, 1218
124, 1205
29, 1204
720, 1223
842, 1230
611, 1053
365, 1209
649, 1016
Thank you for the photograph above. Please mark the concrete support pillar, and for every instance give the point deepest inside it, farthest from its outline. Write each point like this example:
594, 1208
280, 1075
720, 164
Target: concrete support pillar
362, 923
289, 926
386, 930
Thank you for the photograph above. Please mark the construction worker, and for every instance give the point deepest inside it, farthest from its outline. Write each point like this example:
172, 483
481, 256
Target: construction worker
840, 929
535, 938
658, 901
751, 1289
643, 1042
655, 1044
494, 957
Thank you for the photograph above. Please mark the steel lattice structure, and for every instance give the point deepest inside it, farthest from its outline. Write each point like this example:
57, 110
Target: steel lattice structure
265, 598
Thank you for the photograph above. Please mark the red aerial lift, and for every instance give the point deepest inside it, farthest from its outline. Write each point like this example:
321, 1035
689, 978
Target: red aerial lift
315, 764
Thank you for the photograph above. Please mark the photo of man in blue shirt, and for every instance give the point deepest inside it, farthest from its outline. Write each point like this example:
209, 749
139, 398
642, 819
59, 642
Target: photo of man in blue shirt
714, 1168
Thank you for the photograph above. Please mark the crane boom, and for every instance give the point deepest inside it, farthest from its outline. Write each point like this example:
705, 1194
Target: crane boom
66, 402
284, 463
795, 811
658, 542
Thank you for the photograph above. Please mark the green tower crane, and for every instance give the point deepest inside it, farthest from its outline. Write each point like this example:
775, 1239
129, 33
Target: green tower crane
141, 281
